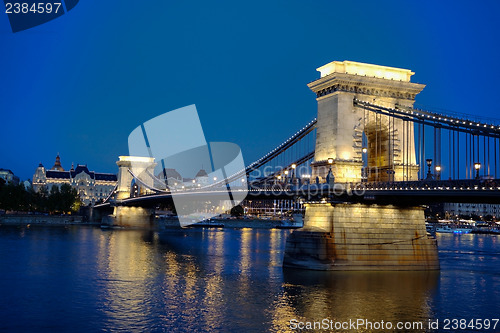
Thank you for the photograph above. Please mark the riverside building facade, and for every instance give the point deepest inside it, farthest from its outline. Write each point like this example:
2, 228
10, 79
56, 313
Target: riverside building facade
91, 186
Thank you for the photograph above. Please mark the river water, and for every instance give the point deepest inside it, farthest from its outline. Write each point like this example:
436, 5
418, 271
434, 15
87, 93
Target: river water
83, 279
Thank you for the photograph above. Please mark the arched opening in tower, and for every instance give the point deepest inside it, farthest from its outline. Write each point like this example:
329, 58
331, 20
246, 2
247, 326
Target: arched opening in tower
377, 160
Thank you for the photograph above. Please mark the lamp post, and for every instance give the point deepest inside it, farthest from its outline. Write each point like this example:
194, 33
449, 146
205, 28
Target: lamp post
306, 179
477, 166
429, 164
330, 162
438, 172
364, 175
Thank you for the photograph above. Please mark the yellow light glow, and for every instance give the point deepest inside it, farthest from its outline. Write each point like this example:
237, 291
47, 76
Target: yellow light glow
136, 159
357, 68
346, 155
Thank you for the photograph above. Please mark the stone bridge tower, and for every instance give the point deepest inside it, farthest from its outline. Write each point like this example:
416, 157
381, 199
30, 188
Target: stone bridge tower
341, 125
356, 236
139, 165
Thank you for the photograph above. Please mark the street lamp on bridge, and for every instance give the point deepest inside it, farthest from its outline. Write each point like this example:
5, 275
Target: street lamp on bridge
429, 164
285, 177
330, 162
477, 166
438, 172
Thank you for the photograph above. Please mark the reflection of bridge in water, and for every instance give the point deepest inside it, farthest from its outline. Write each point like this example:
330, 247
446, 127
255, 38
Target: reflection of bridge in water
369, 147
172, 277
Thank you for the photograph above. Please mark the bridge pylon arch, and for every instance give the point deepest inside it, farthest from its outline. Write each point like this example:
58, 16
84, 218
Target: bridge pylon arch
140, 165
341, 124
363, 236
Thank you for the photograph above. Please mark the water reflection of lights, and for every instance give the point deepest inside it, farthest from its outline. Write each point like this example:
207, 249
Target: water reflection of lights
190, 280
275, 256
245, 247
199, 280
340, 296
172, 269
213, 296
123, 260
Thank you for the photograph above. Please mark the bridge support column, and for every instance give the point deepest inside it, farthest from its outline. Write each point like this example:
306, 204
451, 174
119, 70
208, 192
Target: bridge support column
362, 237
140, 165
349, 137
130, 217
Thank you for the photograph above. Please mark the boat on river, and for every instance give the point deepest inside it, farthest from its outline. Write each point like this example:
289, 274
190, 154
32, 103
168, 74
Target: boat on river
446, 229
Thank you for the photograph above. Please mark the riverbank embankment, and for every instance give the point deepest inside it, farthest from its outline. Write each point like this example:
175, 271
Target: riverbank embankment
47, 220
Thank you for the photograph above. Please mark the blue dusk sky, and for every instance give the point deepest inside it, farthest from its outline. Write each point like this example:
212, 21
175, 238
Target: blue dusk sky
78, 85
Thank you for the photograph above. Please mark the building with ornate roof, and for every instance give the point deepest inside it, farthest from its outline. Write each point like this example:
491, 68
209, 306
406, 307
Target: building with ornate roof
174, 180
91, 186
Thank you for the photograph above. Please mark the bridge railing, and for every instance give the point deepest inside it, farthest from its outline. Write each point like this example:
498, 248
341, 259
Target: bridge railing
465, 184
359, 189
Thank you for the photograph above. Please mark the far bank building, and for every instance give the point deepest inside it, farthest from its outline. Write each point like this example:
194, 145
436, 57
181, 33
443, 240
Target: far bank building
91, 186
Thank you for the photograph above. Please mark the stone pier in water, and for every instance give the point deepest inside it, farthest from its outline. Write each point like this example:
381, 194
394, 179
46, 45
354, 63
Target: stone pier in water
130, 217
362, 237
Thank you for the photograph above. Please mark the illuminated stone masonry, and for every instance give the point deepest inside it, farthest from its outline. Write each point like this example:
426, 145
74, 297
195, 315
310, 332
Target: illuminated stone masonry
341, 126
362, 237
341, 236
141, 166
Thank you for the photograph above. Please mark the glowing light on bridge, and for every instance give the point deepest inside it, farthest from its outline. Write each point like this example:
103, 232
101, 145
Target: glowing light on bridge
352, 67
136, 159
